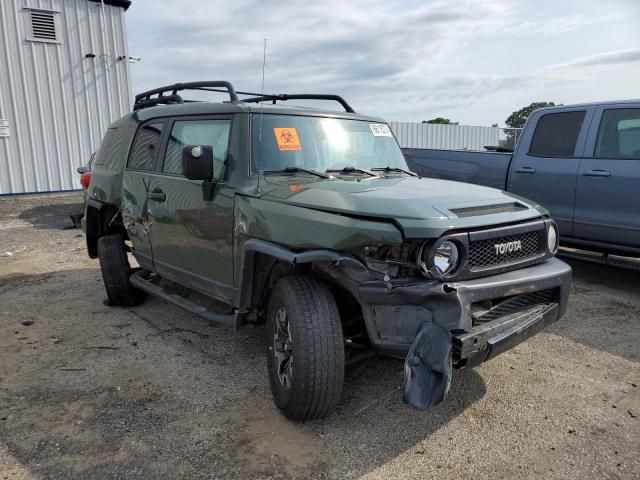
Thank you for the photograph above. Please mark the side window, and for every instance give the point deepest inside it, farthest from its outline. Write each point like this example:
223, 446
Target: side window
145, 147
619, 134
556, 134
106, 145
197, 132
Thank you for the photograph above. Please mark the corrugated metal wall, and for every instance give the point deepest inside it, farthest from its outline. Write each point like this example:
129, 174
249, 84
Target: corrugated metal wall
445, 137
58, 103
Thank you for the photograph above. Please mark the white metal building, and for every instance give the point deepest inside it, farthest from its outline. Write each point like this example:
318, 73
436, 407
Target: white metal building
445, 137
64, 77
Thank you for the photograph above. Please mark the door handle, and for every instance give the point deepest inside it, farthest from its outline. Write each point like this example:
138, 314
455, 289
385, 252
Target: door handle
157, 195
596, 173
525, 170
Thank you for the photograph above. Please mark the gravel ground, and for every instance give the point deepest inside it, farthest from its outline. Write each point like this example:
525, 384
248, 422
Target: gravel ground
89, 391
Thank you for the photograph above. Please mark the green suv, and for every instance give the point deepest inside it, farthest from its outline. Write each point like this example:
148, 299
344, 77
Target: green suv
310, 222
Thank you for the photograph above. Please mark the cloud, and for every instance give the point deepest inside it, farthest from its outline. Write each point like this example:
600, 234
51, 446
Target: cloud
607, 58
402, 59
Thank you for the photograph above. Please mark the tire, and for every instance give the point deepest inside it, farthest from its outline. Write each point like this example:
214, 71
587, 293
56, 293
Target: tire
308, 384
116, 271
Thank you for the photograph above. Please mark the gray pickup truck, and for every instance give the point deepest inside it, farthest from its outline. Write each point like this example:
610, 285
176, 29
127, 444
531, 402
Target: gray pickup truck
581, 162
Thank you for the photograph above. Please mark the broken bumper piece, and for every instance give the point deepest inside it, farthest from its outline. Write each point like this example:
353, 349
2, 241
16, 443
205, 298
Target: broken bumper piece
518, 314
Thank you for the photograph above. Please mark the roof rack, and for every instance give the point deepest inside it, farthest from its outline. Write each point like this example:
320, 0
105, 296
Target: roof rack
298, 96
144, 100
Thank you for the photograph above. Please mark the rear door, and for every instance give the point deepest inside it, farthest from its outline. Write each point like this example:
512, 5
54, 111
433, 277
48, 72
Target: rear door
137, 182
547, 171
192, 238
608, 189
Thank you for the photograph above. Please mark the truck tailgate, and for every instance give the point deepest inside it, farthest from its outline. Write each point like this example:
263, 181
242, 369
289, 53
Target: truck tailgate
482, 168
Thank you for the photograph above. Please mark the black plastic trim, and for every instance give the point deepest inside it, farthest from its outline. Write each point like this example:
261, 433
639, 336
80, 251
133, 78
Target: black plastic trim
244, 292
222, 319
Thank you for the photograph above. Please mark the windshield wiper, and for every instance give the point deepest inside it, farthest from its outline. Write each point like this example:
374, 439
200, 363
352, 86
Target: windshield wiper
288, 170
389, 169
351, 170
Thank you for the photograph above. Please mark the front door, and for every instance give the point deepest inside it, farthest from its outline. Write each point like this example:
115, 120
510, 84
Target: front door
191, 238
136, 187
547, 172
607, 205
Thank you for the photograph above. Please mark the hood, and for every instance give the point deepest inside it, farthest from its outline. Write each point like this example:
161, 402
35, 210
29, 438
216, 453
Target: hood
409, 201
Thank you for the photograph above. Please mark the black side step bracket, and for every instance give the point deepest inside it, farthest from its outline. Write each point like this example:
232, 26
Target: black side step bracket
221, 319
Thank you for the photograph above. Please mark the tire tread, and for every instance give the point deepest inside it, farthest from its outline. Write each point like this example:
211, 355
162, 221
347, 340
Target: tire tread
116, 270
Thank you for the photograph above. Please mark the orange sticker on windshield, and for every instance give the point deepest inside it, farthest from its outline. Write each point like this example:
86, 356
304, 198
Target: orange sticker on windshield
287, 139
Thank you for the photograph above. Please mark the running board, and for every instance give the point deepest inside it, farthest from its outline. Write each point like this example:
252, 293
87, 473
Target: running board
601, 259
221, 319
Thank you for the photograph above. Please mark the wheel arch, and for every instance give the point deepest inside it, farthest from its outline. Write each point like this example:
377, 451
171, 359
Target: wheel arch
101, 219
264, 263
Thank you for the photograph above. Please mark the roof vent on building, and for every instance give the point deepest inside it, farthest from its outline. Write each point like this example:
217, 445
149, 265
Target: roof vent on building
43, 26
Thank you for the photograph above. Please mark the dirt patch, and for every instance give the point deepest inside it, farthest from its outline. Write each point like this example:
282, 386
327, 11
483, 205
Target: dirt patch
90, 391
269, 442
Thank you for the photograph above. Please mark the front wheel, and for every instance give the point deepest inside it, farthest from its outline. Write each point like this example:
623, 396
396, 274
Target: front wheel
305, 348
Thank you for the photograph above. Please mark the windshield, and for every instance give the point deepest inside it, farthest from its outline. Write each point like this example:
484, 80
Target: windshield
321, 144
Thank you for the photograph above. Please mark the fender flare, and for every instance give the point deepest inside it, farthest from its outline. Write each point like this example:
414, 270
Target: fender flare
93, 214
254, 246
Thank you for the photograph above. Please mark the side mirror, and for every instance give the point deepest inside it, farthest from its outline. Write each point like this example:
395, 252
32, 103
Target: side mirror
197, 162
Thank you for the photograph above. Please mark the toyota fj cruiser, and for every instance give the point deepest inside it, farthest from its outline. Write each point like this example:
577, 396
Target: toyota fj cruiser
310, 221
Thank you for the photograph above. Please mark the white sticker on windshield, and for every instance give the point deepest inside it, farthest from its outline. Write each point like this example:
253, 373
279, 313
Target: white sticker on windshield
380, 130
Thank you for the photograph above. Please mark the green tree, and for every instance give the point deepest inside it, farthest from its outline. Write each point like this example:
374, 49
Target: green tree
440, 121
517, 118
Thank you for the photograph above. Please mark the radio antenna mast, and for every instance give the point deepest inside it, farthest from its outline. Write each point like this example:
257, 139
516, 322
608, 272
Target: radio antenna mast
264, 62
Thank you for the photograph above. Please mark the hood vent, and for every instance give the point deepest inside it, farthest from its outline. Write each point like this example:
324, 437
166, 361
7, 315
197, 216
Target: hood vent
488, 209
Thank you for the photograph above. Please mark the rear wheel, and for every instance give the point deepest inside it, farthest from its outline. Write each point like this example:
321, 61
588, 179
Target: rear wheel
305, 348
116, 271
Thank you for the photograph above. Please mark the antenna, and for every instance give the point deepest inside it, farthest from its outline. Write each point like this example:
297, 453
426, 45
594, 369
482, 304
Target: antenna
264, 62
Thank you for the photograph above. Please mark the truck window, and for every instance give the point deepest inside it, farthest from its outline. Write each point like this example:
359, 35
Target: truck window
145, 147
556, 134
197, 132
619, 134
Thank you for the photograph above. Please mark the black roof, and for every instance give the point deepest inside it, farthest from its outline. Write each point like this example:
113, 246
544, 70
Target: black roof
116, 3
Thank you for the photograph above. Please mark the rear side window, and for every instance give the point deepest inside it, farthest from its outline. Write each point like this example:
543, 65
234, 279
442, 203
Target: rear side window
197, 132
106, 145
556, 134
619, 134
145, 147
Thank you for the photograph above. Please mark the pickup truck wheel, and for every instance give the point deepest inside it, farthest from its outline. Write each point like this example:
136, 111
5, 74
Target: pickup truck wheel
116, 271
305, 348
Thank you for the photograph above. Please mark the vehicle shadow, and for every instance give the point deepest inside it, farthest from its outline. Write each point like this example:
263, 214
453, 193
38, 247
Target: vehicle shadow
54, 216
373, 419
604, 309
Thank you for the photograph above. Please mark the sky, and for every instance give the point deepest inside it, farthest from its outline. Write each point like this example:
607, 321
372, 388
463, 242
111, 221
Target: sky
474, 62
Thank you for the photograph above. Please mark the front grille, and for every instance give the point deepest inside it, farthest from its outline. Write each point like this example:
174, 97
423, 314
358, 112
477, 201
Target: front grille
482, 253
487, 209
517, 304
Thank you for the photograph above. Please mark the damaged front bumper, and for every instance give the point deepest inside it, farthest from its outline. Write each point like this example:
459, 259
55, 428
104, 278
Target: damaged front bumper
477, 313
436, 326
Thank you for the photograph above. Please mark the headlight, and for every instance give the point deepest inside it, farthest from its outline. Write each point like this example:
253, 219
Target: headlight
441, 261
552, 239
